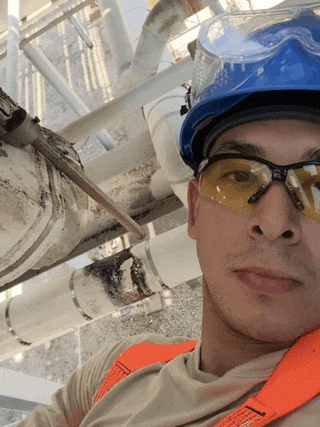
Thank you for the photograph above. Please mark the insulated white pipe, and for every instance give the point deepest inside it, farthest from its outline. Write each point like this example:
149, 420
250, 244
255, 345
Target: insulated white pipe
154, 37
118, 39
13, 49
45, 312
164, 121
129, 102
45, 67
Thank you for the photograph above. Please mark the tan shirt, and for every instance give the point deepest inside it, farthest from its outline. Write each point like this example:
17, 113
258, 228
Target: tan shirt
162, 395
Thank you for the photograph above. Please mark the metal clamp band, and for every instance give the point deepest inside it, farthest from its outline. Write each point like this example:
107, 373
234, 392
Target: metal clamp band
74, 298
152, 265
10, 328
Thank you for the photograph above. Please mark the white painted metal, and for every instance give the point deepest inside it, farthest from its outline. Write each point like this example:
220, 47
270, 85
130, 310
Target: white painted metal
174, 255
27, 7
136, 98
46, 68
33, 28
22, 392
81, 31
134, 16
125, 157
47, 311
118, 39
13, 49
38, 208
153, 40
164, 121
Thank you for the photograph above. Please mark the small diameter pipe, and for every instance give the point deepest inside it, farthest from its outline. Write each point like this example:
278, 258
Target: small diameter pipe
81, 31
13, 49
115, 29
136, 98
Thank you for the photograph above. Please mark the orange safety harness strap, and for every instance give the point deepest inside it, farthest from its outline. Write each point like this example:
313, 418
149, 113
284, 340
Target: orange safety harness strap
293, 383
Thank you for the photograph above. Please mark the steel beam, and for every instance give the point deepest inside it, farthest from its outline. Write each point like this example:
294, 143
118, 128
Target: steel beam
47, 69
81, 31
65, 15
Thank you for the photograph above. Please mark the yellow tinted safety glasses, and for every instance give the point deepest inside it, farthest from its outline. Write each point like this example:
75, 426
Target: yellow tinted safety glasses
237, 182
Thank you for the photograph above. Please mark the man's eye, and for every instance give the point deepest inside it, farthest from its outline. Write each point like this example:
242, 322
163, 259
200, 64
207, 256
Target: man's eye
238, 176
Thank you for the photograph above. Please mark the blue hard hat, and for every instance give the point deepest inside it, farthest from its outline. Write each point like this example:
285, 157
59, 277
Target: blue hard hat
285, 75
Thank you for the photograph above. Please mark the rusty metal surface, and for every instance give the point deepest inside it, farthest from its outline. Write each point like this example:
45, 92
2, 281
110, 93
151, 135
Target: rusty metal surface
123, 278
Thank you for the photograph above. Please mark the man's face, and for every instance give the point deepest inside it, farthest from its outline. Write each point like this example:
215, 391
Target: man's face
274, 235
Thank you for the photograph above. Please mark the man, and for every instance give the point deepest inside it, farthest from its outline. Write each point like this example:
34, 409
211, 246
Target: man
252, 136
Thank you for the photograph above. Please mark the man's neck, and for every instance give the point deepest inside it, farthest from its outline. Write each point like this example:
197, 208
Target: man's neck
221, 352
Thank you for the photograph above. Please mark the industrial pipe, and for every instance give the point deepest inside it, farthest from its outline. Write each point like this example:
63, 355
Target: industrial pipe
165, 121
118, 39
13, 49
154, 38
129, 102
42, 313
46, 68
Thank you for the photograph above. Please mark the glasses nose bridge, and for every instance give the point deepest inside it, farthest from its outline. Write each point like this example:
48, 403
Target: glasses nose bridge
280, 174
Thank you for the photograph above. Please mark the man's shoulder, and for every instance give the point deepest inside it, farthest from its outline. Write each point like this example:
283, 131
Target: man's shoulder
156, 338
104, 359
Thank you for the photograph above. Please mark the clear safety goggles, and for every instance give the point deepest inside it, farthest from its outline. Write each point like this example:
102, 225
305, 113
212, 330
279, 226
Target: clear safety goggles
232, 38
237, 182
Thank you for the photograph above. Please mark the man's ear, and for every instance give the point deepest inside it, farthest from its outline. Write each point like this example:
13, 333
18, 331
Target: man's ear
193, 199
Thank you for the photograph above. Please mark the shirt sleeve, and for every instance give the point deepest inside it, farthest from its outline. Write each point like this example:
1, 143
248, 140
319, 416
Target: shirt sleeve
72, 402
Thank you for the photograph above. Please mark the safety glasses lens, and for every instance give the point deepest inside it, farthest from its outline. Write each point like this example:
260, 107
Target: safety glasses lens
306, 183
232, 182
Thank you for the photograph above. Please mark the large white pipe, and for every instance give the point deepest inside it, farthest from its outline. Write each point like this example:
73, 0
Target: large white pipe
164, 121
154, 37
13, 49
45, 67
118, 39
136, 98
47, 311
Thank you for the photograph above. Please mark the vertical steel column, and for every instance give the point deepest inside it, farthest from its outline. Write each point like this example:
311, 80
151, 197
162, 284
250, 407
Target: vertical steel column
118, 38
13, 49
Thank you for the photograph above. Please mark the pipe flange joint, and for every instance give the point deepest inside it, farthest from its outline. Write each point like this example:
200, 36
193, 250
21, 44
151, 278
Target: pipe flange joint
10, 328
75, 300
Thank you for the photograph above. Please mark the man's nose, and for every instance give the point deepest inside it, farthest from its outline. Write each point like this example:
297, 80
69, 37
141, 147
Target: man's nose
275, 214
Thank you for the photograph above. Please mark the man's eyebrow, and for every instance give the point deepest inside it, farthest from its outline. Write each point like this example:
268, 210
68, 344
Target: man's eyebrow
241, 147
311, 154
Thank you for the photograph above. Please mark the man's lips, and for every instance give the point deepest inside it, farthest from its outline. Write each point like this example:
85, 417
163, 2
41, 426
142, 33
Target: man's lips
268, 281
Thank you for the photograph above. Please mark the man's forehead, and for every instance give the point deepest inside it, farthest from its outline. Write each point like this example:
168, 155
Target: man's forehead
250, 149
